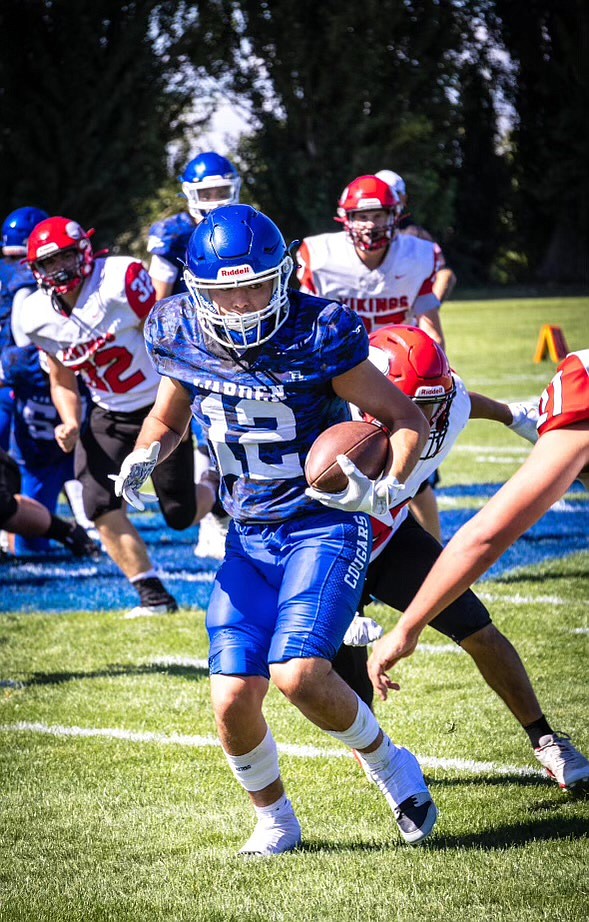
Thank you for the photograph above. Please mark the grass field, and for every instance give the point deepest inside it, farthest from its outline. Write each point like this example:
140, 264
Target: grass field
116, 800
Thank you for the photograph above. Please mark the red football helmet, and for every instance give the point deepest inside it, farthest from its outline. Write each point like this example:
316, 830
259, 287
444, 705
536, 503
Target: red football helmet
420, 368
368, 194
60, 254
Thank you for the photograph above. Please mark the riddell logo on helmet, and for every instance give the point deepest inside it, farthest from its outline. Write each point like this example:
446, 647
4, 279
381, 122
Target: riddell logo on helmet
235, 272
46, 249
435, 390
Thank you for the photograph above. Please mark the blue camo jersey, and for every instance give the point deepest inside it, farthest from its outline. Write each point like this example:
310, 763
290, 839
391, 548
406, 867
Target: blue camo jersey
262, 410
168, 239
13, 276
34, 414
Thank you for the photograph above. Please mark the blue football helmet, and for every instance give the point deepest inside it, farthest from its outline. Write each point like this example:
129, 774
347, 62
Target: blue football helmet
236, 246
209, 181
17, 228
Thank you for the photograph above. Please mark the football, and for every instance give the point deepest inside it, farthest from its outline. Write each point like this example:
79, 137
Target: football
366, 444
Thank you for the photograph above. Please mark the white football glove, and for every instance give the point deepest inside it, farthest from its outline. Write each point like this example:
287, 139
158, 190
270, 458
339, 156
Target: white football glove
375, 497
362, 631
525, 419
135, 470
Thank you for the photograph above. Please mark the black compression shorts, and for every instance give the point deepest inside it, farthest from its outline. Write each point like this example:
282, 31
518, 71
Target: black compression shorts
396, 575
394, 578
107, 440
10, 483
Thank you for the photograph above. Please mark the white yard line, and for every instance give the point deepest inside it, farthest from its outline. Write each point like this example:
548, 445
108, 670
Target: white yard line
306, 752
526, 599
487, 449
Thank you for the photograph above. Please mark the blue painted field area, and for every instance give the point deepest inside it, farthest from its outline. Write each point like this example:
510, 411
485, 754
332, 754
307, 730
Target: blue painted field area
59, 583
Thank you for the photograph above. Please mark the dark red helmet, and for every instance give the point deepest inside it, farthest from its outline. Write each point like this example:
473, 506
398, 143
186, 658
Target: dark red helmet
419, 367
70, 243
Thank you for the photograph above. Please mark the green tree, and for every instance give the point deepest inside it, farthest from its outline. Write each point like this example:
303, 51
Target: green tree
341, 89
548, 41
90, 99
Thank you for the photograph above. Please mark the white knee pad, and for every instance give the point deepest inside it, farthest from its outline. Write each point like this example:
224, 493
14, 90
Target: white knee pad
363, 731
257, 769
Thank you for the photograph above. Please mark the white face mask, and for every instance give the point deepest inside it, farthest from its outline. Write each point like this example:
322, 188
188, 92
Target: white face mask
210, 193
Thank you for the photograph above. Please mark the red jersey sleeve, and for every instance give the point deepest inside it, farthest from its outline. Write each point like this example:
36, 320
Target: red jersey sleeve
304, 271
566, 399
139, 290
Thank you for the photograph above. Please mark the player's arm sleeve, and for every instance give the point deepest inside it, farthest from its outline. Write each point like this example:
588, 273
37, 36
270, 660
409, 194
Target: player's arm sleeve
426, 300
304, 271
162, 270
344, 340
566, 399
16, 319
139, 289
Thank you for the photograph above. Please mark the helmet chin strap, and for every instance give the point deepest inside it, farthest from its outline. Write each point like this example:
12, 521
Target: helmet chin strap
60, 305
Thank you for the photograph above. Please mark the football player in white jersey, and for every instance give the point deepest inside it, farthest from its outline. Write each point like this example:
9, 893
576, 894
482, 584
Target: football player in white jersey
560, 456
404, 553
87, 315
385, 276
445, 279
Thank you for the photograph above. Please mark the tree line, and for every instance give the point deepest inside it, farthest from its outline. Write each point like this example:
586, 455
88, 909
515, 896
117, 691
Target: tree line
479, 105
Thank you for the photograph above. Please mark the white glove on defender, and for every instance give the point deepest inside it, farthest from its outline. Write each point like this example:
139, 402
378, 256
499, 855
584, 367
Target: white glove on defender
525, 419
375, 497
362, 631
135, 470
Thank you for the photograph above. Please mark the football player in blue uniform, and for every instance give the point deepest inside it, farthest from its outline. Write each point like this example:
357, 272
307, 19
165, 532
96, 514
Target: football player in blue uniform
15, 233
265, 370
208, 181
45, 469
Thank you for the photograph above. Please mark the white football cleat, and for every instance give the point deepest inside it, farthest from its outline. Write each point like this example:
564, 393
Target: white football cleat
563, 762
406, 792
525, 419
150, 611
273, 836
211, 536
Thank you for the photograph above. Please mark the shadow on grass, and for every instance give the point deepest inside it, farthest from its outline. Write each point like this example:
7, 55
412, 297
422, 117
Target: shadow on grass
506, 836
177, 670
460, 781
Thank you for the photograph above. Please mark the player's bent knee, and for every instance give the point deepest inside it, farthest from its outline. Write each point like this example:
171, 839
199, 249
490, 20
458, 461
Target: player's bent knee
235, 699
298, 679
484, 637
178, 517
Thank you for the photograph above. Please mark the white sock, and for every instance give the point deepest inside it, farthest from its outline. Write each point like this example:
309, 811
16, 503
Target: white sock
363, 731
279, 808
380, 758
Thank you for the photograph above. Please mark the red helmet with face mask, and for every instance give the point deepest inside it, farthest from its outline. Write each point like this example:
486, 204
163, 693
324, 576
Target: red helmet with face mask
368, 194
60, 254
419, 367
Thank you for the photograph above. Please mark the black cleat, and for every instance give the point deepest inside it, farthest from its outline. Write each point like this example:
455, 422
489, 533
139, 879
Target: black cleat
80, 543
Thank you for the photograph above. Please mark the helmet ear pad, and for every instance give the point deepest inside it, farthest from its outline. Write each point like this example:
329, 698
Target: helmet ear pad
236, 246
